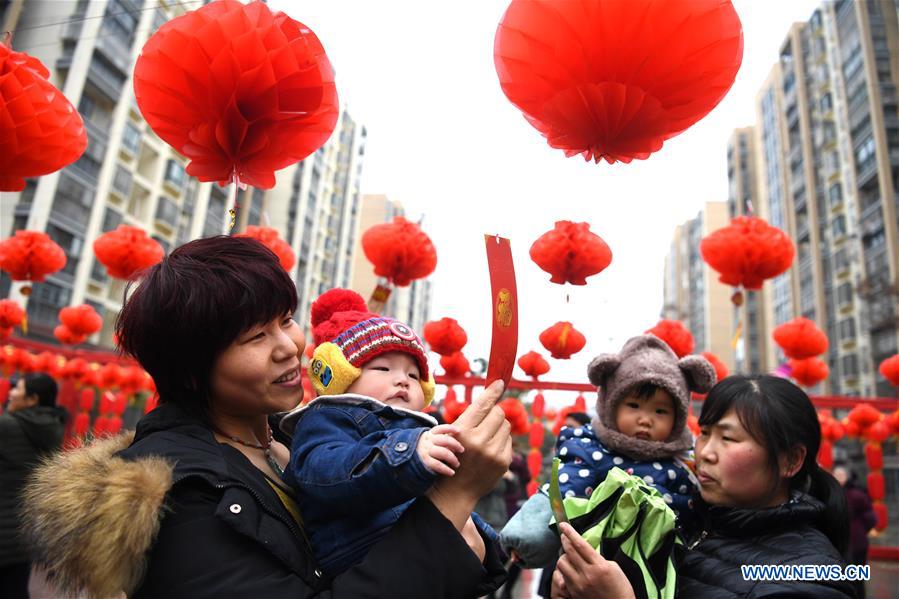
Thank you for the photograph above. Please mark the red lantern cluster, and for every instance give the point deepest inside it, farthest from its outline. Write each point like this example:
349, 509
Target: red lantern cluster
571, 253
399, 251
747, 252
675, 334
613, 80
127, 251
800, 338
868, 423
239, 90
533, 365
831, 432
272, 240
562, 340
41, 131
455, 365
30, 256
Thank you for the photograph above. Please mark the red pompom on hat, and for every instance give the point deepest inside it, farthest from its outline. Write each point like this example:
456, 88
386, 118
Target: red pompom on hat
335, 311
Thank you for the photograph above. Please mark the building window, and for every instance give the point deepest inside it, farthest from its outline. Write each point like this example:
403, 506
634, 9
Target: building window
849, 365
844, 294
835, 193
111, 219
72, 200
174, 173
122, 180
838, 226
166, 211
131, 138
847, 329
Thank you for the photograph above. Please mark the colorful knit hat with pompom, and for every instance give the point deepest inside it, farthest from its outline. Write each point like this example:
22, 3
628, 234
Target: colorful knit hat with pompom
347, 336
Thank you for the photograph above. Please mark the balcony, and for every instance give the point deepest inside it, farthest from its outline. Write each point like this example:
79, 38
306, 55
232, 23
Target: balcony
105, 81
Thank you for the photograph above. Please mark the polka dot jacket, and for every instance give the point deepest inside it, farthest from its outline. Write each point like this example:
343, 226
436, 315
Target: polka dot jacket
586, 461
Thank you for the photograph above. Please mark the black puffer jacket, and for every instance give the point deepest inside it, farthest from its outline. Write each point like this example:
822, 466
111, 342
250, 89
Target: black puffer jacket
177, 514
25, 436
786, 534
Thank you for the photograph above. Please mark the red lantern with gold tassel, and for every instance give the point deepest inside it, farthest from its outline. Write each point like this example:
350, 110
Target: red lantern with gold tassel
675, 334
445, 336
612, 80
42, 132
747, 252
127, 251
800, 338
400, 251
533, 365
562, 340
570, 252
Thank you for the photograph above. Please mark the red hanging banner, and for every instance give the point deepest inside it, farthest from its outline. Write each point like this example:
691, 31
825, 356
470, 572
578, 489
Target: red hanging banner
504, 345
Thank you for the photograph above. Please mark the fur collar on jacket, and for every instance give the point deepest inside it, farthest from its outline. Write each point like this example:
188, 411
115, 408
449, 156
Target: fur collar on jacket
91, 534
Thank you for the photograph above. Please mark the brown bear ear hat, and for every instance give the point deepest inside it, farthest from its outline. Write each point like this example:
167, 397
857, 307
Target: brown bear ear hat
647, 359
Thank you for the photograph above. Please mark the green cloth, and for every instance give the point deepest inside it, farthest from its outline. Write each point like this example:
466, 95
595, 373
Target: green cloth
629, 523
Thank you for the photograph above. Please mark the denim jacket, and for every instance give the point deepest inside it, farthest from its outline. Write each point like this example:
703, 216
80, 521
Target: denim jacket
355, 470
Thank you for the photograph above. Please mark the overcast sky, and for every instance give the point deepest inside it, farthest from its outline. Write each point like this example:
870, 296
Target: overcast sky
445, 141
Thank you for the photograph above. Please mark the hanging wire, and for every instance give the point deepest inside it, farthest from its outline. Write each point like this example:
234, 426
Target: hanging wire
161, 4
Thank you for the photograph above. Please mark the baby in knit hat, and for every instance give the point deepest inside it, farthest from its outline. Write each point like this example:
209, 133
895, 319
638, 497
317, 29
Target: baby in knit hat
363, 450
640, 427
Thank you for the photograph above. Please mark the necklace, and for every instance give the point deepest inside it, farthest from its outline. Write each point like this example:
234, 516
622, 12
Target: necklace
266, 449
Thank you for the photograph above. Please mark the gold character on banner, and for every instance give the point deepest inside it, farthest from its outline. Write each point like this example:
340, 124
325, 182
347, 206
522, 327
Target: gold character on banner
504, 307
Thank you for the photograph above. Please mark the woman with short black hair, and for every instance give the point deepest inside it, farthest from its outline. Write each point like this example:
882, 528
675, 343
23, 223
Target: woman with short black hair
194, 505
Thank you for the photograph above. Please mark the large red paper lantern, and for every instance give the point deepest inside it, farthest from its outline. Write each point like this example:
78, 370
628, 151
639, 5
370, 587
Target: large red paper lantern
30, 256
571, 253
800, 338
272, 240
809, 371
40, 130
11, 314
747, 252
720, 367
675, 334
445, 336
889, 368
81, 320
533, 364
562, 340
237, 89
399, 251
126, 251
455, 365
612, 79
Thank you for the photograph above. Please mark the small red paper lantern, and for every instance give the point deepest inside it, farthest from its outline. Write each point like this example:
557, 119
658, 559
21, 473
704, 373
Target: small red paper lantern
21, 360
580, 404
889, 368
874, 456
550, 413
81, 320
455, 365
399, 251
41, 132
876, 486
516, 415
114, 425
272, 240
86, 401
445, 336
864, 415
48, 362
74, 369
533, 365
800, 338
452, 408
535, 462
825, 454
892, 421
126, 251
538, 407
110, 375
131, 379
536, 435
532, 487
239, 90
570, 253
747, 252
720, 367
877, 432
880, 510
562, 340
82, 423
675, 334
65, 336
809, 372
613, 80
30, 256
11, 314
